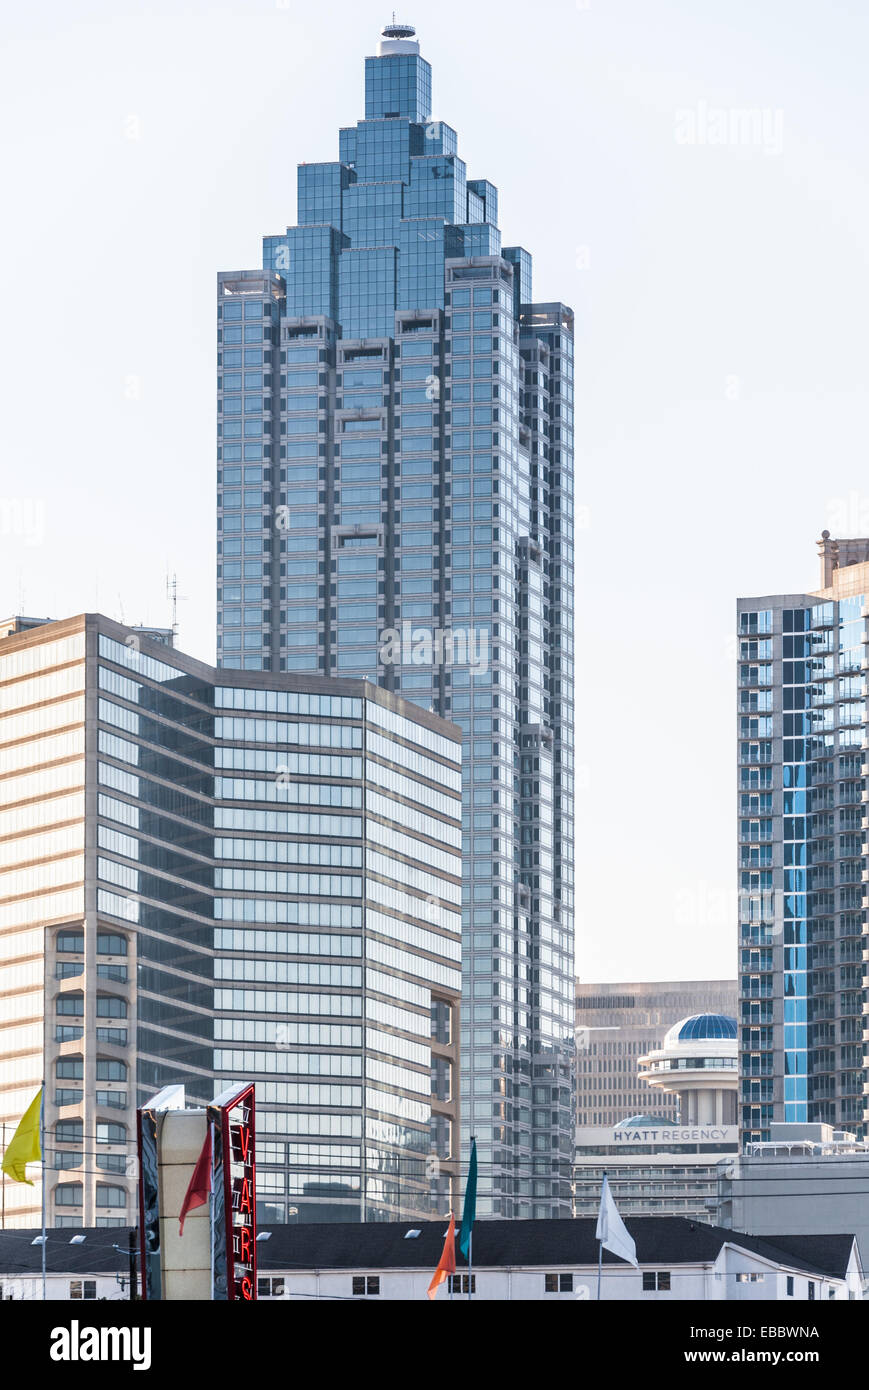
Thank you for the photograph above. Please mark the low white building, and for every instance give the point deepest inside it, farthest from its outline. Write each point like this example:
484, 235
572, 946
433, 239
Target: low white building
81, 1266
541, 1260
522, 1261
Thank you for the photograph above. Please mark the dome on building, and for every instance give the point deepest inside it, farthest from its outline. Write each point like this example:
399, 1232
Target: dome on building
648, 1122
702, 1027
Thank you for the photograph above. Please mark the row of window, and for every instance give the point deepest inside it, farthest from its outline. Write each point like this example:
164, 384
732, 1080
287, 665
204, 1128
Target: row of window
368, 1285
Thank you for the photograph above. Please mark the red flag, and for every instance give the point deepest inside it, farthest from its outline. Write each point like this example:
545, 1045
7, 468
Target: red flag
200, 1183
447, 1263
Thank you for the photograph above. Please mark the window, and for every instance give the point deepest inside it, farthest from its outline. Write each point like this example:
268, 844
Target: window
656, 1281
745, 1278
789, 1286
112, 972
109, 1007
108, 1070
559, 1283
110, 1196
68, 1194
70, 941
811, 1291
271, 1288
109, 1133
459, 1283
68, 1096
70, 1004
108, 944
82, 1288
67, 969
113, 1100
111, 1163
366, 1285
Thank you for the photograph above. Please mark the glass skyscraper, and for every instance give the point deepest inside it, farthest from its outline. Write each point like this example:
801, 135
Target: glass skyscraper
802, 850
395, 502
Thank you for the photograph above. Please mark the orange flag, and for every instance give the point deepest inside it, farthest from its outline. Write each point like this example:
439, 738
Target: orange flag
447, 1263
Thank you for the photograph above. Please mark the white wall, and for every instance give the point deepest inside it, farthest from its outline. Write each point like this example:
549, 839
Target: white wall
619, 1284
57, 1287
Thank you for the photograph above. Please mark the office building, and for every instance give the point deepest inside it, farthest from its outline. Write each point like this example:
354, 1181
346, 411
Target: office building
395, 503
208, 877
802, 850
616, 1025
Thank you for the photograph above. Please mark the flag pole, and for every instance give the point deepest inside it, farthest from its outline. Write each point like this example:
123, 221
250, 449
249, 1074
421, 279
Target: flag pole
42, 1149
211, 1206
599, 1265
470, 1262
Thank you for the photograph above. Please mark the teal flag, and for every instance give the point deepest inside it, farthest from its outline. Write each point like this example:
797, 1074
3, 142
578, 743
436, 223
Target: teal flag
469, 1210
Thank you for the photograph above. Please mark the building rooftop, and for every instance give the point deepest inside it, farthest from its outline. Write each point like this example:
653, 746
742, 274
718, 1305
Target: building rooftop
702, 1027
660, 1240
648, 1122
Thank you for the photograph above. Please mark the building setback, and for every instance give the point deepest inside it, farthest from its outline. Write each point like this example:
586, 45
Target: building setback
395, 502
802, 850
214, 876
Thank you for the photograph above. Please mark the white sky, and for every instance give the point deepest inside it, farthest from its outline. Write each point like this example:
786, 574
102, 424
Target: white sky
721, 301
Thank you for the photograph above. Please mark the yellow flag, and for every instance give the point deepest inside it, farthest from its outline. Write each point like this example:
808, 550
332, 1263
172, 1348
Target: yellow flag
24, 1147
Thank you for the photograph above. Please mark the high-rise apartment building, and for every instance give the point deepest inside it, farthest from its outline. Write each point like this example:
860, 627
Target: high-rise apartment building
616, 1025
215, 876
395, 503
802, 849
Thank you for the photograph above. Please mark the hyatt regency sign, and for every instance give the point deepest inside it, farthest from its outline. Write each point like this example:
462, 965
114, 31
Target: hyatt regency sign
663, 1137
705, 1134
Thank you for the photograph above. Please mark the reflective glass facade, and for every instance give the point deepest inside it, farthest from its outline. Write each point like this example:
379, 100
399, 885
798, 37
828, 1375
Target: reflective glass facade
802, 856
211, 877
395, 502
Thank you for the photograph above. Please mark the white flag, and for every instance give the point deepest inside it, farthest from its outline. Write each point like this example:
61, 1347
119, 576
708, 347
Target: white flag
611, 1230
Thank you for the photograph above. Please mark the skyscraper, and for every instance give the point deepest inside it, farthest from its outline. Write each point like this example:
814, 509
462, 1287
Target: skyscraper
395, 502
211, 877
802, 849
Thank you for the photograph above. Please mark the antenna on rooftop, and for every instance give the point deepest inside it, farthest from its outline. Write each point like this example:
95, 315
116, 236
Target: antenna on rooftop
175, 598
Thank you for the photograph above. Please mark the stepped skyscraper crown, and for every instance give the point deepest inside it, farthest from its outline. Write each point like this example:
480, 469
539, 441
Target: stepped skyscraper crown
377, 225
